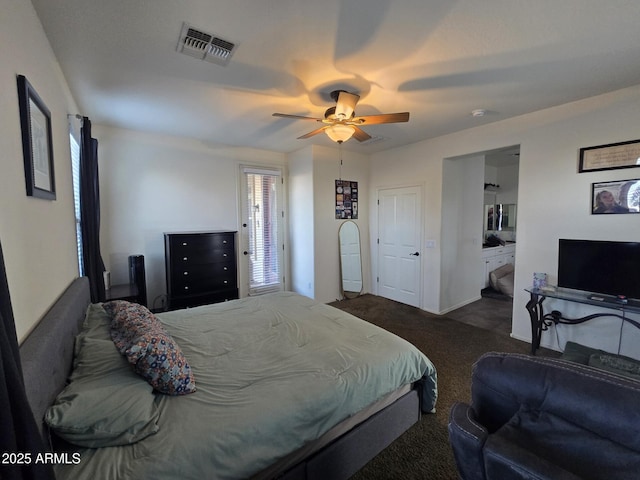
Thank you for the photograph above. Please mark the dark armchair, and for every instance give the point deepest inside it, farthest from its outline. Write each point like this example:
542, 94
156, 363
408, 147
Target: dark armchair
545, 418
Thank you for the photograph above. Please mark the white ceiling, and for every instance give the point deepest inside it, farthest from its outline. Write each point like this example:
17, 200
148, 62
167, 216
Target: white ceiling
438, 59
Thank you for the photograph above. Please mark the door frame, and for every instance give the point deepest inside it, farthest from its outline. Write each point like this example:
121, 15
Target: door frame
243, 277
375, 241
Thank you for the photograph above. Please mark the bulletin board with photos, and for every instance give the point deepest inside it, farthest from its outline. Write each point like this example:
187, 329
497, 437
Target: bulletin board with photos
346, 199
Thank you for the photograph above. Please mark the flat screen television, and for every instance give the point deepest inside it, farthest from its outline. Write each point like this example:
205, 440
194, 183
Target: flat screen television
609, 268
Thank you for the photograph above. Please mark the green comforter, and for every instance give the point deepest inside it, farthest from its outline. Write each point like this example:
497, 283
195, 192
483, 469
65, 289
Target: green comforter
272, 373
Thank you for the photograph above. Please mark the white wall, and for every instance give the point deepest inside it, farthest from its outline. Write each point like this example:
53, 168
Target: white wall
313, 228
410, 166
151, 184
462, 217
301, 233
38, 236
326, 170
553, 199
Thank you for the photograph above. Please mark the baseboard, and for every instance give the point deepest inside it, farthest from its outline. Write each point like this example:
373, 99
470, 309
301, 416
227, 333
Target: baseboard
520, 337
543, 343
460, 305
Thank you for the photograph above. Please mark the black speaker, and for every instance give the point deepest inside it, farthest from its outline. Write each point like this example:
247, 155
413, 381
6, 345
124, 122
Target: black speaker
138, 277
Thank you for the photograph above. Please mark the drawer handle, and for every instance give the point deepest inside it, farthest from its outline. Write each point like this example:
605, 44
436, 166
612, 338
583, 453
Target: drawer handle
224, 254
184, 259
185, 273
186, 288
225, 268
225, 282
224, 241
184, 244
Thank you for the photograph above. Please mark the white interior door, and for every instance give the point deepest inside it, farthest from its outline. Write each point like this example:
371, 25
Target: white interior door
399, 241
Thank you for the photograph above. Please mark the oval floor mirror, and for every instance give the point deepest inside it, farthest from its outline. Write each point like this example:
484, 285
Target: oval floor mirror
350, 261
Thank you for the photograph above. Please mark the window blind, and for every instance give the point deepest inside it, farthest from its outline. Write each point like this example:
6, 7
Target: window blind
75, 172
263, 225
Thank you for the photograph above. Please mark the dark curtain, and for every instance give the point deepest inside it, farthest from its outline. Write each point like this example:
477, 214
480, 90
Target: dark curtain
90, 211
19, 432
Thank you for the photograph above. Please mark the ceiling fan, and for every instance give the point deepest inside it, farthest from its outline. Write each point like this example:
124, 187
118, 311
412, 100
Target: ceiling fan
341, 123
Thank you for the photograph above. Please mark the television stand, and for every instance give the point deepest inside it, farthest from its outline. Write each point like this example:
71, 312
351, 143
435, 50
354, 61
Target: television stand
541, 321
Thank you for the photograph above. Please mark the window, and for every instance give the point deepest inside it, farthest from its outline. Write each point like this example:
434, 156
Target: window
262, 229
75, 170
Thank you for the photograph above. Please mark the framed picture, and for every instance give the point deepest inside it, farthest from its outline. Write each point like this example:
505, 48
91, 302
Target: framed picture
37, 146
609, 157
621, 196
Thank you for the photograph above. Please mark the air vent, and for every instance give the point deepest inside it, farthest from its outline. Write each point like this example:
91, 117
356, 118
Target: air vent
373, 139
205, 46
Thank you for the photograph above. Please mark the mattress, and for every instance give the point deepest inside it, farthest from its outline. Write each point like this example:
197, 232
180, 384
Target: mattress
274, 374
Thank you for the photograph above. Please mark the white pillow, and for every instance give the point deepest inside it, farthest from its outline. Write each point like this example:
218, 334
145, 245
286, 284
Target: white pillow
499, 273
505, 284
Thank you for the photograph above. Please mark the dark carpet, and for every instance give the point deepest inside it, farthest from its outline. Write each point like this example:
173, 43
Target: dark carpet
423, 452
491, 293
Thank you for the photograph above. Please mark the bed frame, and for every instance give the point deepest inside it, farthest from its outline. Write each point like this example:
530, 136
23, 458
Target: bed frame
47, 357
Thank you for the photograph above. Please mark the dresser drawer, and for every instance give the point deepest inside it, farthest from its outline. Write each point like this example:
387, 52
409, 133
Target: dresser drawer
203, 299
187, 287
199, 278
202, 243
202, 248
184, 258
225, 269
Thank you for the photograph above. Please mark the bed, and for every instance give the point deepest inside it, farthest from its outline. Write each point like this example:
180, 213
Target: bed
282, 390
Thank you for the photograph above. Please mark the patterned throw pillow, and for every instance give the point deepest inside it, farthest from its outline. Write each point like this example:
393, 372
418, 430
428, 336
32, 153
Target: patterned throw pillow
158, 359
128, 322
138, 335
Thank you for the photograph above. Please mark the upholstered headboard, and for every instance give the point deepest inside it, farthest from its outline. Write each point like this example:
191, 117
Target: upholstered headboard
47, 353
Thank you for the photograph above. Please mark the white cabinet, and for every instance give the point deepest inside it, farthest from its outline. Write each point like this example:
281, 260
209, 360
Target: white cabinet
495, 257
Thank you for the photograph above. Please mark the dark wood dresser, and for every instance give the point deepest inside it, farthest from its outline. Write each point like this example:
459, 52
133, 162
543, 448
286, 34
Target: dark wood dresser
200, 267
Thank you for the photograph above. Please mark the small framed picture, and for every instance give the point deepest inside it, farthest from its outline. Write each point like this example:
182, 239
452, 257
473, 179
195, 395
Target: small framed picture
621, 196
37, 146
610, 157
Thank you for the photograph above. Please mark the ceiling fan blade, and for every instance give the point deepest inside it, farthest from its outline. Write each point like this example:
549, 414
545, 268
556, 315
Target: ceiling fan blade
346, 104
360, 134
382, 118
315, 132
298, 117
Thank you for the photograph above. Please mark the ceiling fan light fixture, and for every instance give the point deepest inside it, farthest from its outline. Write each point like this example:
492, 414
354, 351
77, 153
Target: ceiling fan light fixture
339, 132
340, 122
345, 103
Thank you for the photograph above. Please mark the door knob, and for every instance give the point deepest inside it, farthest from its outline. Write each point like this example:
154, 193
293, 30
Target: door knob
416, 254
